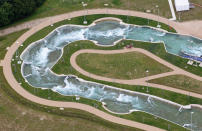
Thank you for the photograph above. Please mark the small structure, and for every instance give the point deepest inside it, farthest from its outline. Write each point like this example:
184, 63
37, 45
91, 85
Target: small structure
182, 5
77, 98
85, 22
200, 65
61, 108
129, 46
190, 62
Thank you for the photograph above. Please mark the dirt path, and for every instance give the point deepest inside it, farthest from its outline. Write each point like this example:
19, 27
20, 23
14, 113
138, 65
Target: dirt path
183, 27
139, 81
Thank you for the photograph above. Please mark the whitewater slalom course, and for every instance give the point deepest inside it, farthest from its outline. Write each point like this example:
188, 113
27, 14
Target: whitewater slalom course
14, 84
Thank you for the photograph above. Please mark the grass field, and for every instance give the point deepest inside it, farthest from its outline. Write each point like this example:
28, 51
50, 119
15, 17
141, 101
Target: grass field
181, 82
17, 114
6, 41
130, 65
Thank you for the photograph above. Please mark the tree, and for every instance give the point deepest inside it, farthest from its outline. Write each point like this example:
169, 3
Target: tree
12, 10
39, 2
22, 8
3, 1
5, 13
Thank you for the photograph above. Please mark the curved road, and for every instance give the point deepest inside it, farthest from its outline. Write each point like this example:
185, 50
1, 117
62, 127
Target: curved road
17, 87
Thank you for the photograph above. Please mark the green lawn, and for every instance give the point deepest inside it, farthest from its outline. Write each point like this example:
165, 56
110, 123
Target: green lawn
131, 65
181, 82
55, 7
17, 114
7, 40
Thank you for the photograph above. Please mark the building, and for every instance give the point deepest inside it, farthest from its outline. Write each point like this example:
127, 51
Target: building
182, 5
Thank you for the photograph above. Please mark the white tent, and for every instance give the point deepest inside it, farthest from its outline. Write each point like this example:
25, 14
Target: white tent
182, 5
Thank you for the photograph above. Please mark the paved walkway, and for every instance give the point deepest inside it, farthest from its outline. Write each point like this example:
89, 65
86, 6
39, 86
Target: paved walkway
183, 27
139, 81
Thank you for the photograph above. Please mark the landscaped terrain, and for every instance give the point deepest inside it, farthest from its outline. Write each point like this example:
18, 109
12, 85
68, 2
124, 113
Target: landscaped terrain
130, 65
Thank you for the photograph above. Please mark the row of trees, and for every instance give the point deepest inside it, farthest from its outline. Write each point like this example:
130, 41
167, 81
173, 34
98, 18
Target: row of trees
12, 10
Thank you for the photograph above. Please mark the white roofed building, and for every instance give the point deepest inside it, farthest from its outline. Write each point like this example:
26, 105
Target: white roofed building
182, 5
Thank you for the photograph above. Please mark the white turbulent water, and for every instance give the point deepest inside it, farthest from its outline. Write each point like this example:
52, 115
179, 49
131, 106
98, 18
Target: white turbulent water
41, 57
38, 60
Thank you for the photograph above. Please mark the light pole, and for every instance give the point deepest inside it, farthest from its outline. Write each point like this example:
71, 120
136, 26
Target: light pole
158, 17
147, 73
51, 21
84, 5
191, 119
106, 5
128, 12
148, 11
189, 94
179, 16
